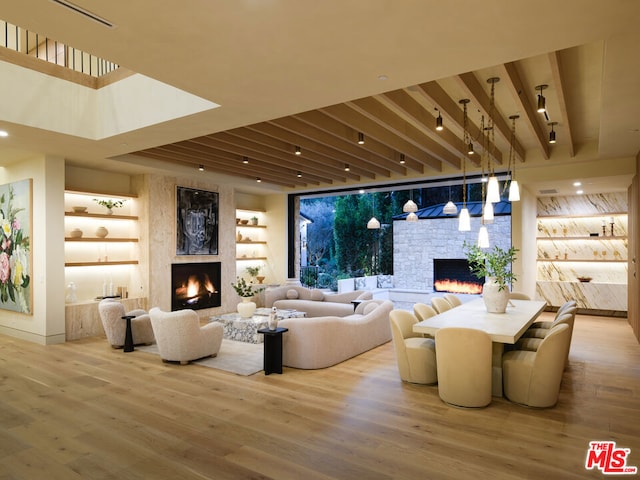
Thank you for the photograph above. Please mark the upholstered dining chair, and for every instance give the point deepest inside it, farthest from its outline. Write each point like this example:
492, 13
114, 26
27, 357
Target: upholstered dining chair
534, 336
111, 312
422, 311
440, 304
415, 355
463, 358
533, 378
454, 300
180, 337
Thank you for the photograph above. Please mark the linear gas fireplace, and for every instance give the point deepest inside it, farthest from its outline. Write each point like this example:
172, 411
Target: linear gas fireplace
453, 275
195, 285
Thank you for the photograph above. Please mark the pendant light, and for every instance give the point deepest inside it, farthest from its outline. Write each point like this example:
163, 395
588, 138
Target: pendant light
514, 189
483, 237
439, 126
552, 133
493, 190
464, 219
373, 223
410, 206
450, 207
412, 217
493, 187
488, 216
542, 107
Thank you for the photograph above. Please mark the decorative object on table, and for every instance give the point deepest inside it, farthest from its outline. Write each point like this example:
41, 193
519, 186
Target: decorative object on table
75, 233
246, 308
15, 255
254, 220
197, 222
109, 204
584, 279
71, 295
79, 209
611, 223
244, 222
253, 271
101, 232
238, 237
260, 278
495, 267
273, 318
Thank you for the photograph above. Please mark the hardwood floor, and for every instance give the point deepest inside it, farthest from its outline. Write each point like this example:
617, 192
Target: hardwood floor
82, 410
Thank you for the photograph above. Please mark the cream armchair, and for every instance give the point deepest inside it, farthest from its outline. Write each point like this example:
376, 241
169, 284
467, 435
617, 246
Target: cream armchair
533, 378
111, 313
180, 337
416, 355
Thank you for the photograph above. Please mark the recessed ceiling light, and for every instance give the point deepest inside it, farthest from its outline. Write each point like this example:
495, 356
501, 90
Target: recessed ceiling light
382, 77
577, 184
579, 192
3, 133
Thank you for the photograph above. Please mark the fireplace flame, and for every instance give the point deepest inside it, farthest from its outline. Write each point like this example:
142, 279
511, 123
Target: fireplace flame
454, 286
194, 289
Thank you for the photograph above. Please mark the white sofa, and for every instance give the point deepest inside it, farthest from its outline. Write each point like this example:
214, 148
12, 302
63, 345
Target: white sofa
314, 302
320, 342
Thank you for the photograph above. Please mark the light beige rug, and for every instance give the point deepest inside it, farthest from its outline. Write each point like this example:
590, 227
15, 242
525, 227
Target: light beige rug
240, 358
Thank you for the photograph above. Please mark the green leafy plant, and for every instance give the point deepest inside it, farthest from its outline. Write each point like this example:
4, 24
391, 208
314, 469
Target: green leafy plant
494, 263
109, 203
245, 289
253, 271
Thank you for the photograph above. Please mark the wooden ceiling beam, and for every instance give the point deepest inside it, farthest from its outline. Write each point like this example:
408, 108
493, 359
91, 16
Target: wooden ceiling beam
319, 161
372, 151
375, 110
559, 83
479, 96
321, 137
246, 148
361, 123
531, 116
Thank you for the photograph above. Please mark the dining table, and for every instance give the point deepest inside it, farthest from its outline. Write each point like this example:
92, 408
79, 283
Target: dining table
502, 328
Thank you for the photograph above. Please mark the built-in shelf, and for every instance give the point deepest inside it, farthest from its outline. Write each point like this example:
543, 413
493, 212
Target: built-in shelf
252, 242
101, 215
583, 238
554, 260
251, 258
100, 264
248, 225
101, 240
593, 215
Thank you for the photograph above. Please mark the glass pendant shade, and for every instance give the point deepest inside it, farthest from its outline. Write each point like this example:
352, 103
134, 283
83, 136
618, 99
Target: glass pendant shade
464, 220
483, 237
373, 224
487, 216
410, 207
514, 191
412, 217
493, 190
450, 208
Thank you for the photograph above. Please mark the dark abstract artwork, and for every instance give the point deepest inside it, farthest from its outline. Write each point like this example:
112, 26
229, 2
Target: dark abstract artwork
197, 222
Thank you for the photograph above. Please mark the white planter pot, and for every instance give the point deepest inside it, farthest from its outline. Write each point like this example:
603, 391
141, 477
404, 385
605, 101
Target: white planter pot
495, 300
246, 308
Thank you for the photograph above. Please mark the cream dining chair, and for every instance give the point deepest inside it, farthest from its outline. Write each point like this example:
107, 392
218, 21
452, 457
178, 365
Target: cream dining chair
415, 355
440, 304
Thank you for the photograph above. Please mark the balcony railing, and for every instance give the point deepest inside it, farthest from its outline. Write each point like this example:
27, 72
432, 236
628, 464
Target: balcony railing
43, 48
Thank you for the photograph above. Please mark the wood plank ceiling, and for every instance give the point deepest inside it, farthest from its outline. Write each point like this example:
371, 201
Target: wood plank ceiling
398, 129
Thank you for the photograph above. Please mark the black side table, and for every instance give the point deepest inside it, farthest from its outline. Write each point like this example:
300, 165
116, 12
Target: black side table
272, 349
356, 303
128, 336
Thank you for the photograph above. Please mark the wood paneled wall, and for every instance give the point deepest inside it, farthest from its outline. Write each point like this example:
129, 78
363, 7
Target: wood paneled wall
634, 251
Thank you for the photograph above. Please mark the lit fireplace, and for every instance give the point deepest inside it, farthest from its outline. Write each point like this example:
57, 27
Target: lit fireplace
453, 275
195, 285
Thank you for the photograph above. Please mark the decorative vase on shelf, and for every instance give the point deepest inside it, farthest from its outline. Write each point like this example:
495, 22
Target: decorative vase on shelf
260, 278
109, 211
495, 300
101, 232
246, 308
75, 233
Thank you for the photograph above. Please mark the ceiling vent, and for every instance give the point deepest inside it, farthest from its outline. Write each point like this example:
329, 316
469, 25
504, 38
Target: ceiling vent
83, 12
548, 191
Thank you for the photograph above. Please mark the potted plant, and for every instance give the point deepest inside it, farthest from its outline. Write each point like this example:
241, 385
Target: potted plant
109, 204
495, 267
246, 291
254, 220
253, 271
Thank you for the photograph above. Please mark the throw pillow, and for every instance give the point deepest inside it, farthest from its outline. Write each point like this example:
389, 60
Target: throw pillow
369, 307
292, 293
316, 295
361, 283
385, 281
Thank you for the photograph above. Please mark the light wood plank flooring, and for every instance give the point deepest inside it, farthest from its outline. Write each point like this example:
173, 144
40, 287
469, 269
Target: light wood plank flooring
82, 410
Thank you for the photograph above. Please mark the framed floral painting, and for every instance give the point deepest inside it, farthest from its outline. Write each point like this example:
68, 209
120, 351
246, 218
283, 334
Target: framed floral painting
15, 246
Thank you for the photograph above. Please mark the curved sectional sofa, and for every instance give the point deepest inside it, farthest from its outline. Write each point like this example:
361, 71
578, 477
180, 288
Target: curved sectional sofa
314, 302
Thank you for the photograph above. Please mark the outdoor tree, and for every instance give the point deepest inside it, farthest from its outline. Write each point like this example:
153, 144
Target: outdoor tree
320, 230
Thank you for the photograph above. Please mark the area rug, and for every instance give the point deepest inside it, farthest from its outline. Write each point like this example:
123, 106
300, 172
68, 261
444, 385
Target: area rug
241, 358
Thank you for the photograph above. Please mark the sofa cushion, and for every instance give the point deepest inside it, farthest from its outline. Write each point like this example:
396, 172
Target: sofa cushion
360, 283
369, 307
292, 293
316, 295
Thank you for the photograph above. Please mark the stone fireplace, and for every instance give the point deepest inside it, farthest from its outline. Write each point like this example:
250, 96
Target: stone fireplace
452, 275
195, 285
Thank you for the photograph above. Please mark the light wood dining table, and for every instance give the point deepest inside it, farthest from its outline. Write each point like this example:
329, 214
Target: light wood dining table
503, 328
